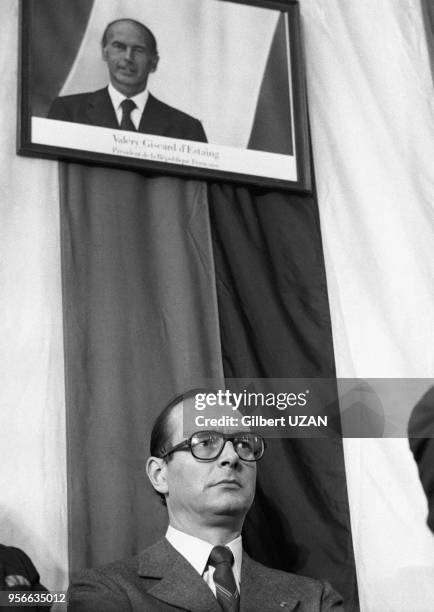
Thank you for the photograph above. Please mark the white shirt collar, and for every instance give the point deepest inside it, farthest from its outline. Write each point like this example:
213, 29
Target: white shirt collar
197, 551
117, 98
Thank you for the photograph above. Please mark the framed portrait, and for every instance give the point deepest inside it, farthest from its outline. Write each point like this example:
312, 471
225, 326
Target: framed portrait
207, 89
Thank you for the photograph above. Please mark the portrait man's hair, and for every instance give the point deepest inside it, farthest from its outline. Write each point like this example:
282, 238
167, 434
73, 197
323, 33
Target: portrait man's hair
148, 33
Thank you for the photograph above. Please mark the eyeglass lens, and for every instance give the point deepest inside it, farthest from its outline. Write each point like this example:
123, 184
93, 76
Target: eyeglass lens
208, 445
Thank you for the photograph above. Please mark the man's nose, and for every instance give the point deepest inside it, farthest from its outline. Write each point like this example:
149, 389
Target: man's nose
228, 455
129, 53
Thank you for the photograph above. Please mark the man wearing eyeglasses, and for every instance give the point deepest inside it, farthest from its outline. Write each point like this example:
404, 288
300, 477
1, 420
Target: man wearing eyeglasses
207, 481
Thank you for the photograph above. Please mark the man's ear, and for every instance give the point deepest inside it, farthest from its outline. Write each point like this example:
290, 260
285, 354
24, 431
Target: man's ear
104, 53
156, 470
154, 64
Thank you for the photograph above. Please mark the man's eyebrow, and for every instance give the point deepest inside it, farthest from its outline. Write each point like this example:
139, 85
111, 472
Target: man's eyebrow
120, 42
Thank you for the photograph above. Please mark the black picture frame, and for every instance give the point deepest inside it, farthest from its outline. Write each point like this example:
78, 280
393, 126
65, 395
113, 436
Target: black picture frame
276, 154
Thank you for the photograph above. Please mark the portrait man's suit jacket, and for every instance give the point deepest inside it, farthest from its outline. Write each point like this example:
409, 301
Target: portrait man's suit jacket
96, 108
161, 580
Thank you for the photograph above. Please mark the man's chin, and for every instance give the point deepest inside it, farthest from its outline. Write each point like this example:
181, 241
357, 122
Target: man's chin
230, 505
128, 86
126, 77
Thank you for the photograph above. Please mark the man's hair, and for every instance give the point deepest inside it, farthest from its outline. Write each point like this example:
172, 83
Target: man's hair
161, 434
152, 39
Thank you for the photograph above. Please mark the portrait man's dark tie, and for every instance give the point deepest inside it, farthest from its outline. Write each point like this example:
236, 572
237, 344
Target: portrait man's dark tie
127, 106
227, 593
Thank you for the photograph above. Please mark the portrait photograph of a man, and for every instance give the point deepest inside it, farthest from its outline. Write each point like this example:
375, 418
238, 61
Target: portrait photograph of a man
224, 75
130, 51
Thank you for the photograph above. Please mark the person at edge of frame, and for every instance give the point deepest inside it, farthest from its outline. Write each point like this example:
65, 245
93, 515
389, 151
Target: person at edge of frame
19, 575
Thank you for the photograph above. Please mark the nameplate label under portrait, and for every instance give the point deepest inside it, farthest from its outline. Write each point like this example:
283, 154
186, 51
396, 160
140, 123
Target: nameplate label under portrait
160, 149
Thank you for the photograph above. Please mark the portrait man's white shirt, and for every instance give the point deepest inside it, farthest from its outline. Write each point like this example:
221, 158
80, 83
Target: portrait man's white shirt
140, 101
197, 553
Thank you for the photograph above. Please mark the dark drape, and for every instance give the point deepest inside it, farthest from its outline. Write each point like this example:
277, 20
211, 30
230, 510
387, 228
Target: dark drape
271, 130
58, 27
141, 326
275, 323
428, 15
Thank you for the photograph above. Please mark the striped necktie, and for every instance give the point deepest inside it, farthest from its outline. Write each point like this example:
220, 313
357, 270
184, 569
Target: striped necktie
227, 593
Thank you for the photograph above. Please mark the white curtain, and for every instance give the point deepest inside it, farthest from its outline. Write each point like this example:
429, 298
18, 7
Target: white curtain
371, 110
32, 413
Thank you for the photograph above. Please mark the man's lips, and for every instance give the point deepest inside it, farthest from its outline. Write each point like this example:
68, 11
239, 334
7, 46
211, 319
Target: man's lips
227, 482
128, 69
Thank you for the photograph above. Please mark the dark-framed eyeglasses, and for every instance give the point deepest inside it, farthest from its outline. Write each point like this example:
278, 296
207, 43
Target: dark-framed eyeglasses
208, 445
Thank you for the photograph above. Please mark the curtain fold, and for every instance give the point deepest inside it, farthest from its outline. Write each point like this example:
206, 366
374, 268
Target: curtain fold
275, 323
273, 305
140, 324
60, 26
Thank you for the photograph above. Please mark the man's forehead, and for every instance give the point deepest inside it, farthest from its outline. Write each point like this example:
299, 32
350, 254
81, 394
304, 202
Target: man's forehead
126, 28
185, 419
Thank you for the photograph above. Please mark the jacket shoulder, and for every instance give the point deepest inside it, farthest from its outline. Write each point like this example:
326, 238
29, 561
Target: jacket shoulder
171, 111
116, 571
275, 576
309, 593
182, 125
107, 588
67, 107
123, 586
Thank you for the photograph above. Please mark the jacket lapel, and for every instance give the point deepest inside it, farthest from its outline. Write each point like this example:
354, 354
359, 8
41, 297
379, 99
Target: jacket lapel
263, 589
99, 110
153, 121
178, 582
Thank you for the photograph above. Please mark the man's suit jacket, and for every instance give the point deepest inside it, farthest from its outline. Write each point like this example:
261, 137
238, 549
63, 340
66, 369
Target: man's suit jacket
161, 580
96, 108
15, 562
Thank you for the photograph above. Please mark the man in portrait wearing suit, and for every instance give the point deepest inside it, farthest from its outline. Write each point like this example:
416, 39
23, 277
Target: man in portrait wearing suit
207, 482
130, 50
